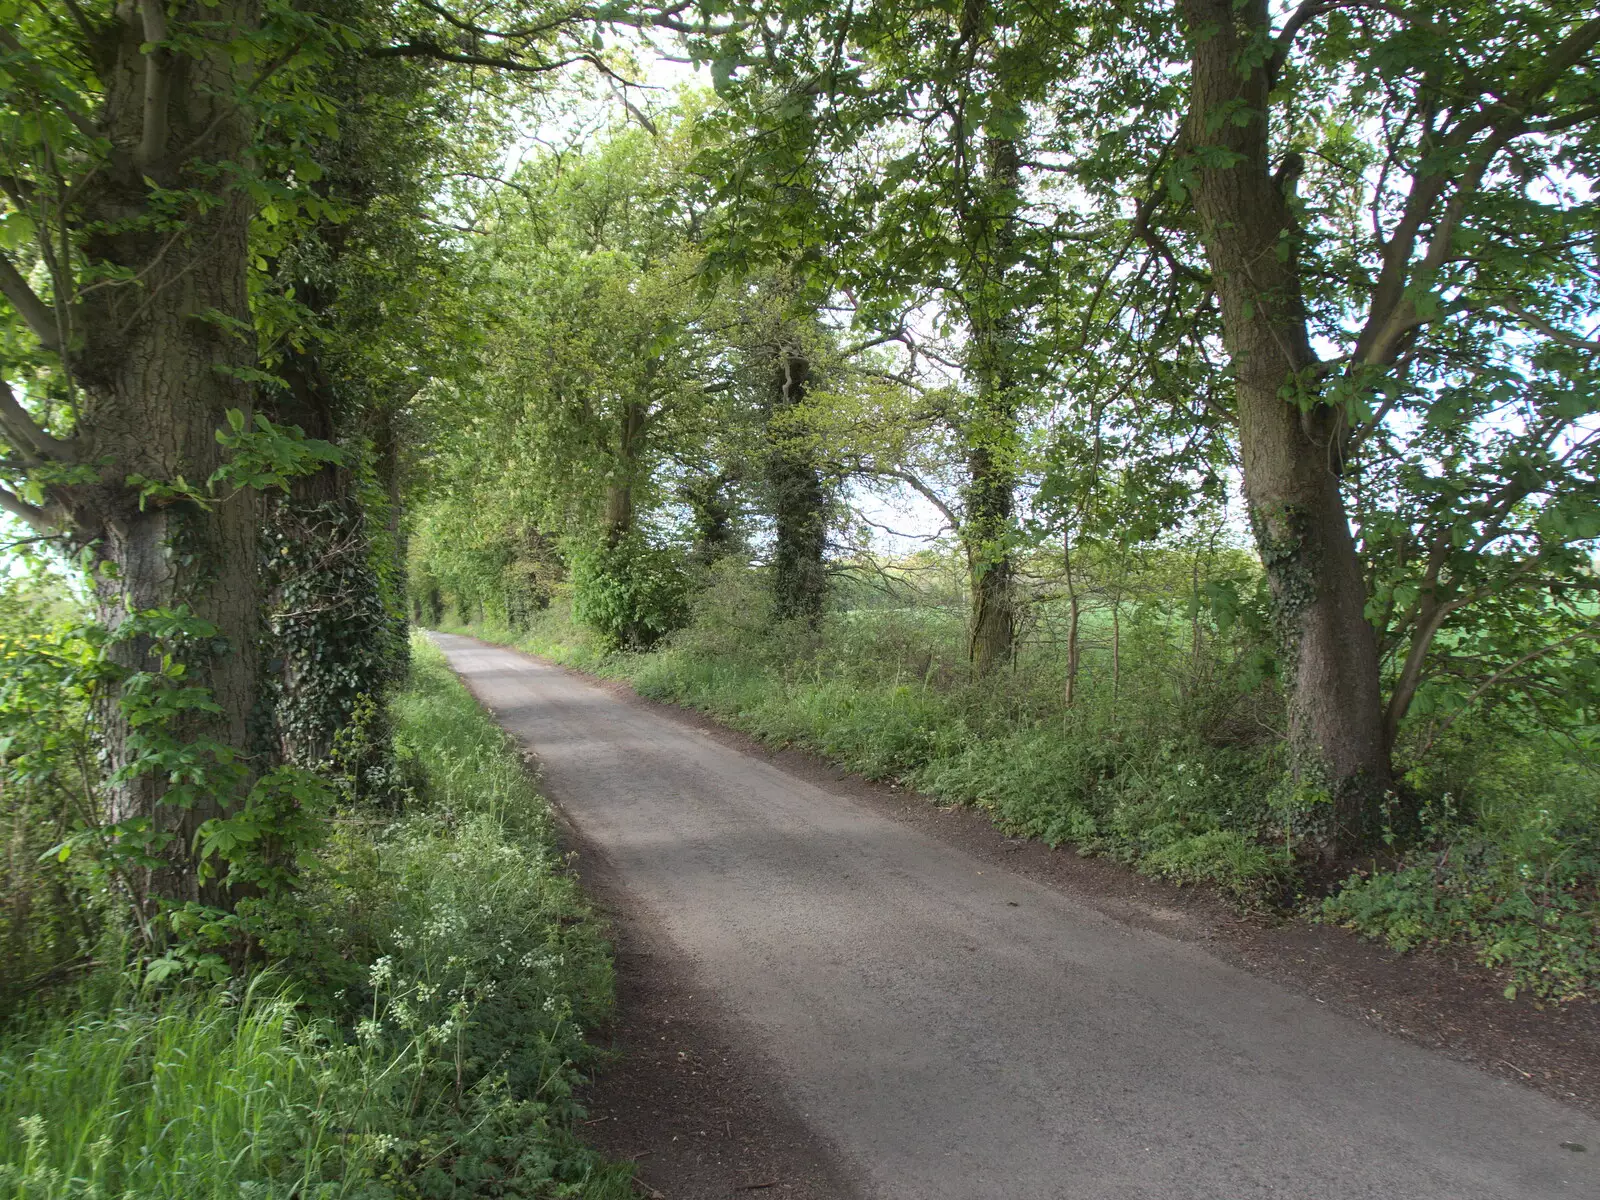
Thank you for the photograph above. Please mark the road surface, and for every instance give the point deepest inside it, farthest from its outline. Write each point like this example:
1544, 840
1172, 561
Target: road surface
961, 1033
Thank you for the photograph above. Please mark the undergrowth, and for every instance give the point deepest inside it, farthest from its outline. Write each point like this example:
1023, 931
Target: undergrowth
420, 1036
1509, 863
874, 693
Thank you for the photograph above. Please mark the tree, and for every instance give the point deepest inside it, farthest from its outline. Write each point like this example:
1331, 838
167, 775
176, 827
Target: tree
892, 140
133, 172
596, 395
146, 147
1413, 257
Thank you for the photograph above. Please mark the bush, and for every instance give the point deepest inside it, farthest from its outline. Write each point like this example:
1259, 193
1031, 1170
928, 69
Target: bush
631, 594
51, 912
1509, 865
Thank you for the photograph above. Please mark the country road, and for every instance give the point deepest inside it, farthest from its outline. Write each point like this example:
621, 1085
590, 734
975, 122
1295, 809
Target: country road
959, 1032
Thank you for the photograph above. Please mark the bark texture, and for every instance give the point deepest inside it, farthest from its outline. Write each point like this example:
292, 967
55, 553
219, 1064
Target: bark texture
990, 430
1288, 440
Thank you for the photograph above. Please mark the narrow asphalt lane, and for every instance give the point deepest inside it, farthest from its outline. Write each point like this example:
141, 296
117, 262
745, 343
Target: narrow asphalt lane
962, 1033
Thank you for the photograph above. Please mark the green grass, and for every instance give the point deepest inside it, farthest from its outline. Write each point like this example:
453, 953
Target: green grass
174, 1096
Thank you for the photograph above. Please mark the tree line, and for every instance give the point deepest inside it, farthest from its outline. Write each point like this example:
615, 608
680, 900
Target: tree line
280, 319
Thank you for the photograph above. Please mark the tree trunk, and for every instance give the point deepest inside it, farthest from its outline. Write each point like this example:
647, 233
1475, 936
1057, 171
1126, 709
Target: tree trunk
159, 347
712, 510
1074, 618
1116, 648
799, 498
331, 635
986, 530
1287, 437
991, 429
618, 515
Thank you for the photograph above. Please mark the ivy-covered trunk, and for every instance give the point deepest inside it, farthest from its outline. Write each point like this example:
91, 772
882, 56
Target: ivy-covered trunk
798, 496
990, 430
713, 511
1287, 437
327, 635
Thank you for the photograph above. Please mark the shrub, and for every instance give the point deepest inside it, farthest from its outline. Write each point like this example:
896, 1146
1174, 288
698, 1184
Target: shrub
1509, 866
630, 594
422, 1036
462, 950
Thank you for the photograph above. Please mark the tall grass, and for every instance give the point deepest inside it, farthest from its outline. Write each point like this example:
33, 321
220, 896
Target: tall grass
421, 1036
177, 1096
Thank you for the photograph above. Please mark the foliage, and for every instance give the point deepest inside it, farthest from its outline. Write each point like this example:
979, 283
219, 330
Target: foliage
456, 944
48, 773
631, 594
203, 1095
1509, 864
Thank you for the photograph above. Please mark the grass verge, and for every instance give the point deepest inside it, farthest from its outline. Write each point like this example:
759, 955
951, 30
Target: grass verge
420, 1036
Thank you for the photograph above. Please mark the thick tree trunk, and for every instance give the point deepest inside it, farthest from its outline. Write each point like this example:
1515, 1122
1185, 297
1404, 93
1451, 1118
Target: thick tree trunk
986, 530
990, 431
1287, 438
799, 499
316, 589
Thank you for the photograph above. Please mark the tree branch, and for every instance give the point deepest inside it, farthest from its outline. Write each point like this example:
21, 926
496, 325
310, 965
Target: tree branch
1310, 10
1284, 42
437, 53
26, 436
41, 317
157, 84
1565, 56
36, 518
1539, 652
923, 490
1550, 331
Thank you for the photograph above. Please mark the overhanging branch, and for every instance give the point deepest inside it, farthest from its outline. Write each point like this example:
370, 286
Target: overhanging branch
35, 517
433, 51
